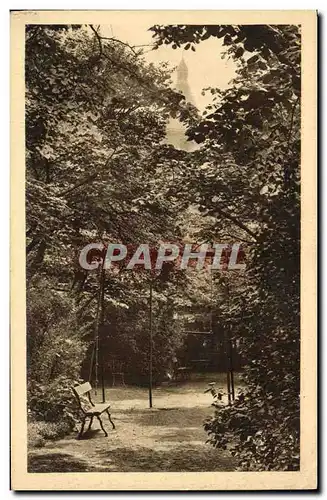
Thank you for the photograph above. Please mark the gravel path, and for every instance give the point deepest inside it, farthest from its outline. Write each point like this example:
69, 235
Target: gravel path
168, 437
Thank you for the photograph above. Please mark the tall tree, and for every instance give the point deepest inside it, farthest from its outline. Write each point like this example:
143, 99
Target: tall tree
96, 169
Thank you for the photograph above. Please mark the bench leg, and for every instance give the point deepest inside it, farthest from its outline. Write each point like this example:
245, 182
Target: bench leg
101, 425
90, 424
109, 416
82, 429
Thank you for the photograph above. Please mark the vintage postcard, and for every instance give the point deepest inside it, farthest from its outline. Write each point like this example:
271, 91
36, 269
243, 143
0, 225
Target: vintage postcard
163, 250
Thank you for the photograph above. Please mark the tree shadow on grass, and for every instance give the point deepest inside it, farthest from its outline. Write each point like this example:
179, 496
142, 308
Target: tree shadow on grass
57, 462
183, 459
91, 434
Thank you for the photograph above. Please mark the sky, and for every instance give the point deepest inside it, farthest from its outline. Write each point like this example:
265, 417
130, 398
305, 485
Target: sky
206, 67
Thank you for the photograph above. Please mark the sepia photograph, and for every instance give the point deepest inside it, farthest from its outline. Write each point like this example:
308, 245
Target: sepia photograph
161, 185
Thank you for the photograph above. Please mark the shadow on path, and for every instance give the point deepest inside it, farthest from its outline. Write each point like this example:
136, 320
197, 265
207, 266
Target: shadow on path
167, 438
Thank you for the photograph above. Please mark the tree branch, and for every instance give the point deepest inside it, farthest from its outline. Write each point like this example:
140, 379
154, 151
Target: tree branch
32, 244
291, 125
98, 39
121, 42
90, 177
112, 39
236, 222
126, 69
286, 164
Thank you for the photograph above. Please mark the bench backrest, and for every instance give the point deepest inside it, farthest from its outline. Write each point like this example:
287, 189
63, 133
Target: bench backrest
85, 402
82, 389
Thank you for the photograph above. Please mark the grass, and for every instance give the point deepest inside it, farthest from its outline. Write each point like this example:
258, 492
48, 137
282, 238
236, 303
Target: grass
169, 437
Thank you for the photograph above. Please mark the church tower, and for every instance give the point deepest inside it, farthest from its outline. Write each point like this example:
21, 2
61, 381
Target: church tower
182, 81
175, 129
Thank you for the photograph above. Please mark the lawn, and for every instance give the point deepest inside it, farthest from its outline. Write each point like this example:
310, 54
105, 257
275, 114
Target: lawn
168, 437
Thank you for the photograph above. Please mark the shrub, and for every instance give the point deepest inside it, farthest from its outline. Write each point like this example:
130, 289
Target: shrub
257, 430
39, 431
55, 354
53, 402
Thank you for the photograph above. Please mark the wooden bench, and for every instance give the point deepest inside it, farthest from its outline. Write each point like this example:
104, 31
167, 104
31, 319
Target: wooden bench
90, 409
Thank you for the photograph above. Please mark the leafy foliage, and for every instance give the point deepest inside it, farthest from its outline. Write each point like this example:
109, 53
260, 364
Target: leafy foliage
96, 169
53, 402
257, 447
247, 184
55, 353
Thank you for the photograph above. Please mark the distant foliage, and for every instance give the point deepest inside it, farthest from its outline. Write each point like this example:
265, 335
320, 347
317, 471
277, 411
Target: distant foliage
128, 339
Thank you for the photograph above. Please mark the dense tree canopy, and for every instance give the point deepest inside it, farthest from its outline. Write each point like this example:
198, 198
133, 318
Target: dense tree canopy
98, 169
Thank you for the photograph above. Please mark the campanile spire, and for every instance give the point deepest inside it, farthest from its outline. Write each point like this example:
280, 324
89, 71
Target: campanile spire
182, 72
182, 81
176, 129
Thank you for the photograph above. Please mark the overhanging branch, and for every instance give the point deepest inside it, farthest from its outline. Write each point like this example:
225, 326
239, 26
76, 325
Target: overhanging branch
90, 177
